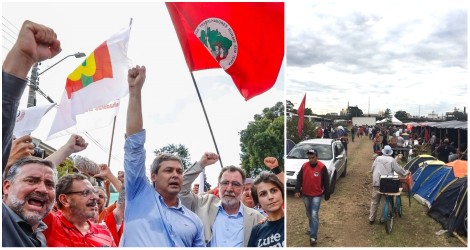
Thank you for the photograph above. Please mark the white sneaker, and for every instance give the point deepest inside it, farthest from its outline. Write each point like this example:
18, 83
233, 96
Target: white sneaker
313, 242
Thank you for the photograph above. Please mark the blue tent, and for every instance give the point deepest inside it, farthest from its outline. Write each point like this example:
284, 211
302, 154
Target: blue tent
429, 179
425, 169
414, 163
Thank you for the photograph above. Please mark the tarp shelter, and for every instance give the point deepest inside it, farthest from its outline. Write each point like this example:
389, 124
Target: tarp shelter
457, 131
395, 121
450, 206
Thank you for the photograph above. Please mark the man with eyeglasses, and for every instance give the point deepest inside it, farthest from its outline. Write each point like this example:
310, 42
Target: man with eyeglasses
72, 225
314, 180
227, 222
154, 216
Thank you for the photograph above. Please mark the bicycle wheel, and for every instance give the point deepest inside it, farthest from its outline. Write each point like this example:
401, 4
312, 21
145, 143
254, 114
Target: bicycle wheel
398, 207
388, 215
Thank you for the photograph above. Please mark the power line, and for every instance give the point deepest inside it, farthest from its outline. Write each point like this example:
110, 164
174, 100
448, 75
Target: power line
11, 23
105, 149
14, 36
9, 32
7, 29
8, 40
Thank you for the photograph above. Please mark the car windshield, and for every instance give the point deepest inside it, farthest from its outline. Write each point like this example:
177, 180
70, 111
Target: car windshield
300, 151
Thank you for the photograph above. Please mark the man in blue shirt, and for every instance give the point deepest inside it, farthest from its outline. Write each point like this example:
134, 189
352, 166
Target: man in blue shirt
154, 215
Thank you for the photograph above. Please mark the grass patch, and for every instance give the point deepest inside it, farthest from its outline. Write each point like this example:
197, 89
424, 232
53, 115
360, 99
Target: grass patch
408, 230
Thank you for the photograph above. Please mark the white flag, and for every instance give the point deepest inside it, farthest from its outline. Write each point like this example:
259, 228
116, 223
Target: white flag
101, 78
202, 176
95, 118
27, 120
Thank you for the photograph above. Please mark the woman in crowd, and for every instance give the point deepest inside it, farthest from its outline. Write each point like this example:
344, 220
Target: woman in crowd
268, 192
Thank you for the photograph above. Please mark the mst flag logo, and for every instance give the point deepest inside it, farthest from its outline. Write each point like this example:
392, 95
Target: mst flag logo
218, 37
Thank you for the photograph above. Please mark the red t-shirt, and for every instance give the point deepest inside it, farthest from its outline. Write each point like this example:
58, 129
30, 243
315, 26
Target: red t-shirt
111, 224
319, 133
312, 179
61, 233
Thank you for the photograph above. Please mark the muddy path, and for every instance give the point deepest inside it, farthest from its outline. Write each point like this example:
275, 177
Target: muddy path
343, 218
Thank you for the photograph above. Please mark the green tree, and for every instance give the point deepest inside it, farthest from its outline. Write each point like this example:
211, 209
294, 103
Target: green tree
65, 168
183, 152
263, 137
354, 112
179, 150
388, 115
308, 111
307, 133
401, 115
289, 106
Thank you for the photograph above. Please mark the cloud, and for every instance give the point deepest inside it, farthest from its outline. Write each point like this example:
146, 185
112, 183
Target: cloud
341, 52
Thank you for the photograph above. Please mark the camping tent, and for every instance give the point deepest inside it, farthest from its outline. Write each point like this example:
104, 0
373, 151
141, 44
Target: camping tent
460, 167
414, 163
450, 206
395, 121
429, 179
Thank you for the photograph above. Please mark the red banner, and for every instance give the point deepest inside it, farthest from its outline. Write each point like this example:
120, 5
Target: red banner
245, 39
300, 113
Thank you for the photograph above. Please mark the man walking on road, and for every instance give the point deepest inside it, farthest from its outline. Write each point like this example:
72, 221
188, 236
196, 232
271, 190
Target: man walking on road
314, 180
383, 165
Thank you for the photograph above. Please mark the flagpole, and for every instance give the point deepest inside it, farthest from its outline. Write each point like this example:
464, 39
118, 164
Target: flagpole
111, 145
207, 119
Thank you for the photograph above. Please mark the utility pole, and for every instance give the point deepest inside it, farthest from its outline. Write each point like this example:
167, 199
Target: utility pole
34, 80
33, 85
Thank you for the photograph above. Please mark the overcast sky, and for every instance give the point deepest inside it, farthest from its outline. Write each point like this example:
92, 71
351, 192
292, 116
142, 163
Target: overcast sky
172, 112
401, 55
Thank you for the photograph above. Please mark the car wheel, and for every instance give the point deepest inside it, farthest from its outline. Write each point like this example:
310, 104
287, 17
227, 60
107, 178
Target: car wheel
333, 184
343, 174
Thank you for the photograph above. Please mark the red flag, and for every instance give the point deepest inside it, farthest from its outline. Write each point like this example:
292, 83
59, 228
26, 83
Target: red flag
245, 39
300, 113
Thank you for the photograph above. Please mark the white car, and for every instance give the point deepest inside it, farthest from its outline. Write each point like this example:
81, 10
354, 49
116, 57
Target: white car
330, 152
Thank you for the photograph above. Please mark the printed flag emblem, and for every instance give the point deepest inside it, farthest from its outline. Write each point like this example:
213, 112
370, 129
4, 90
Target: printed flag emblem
96, 66
218, 37
100, 79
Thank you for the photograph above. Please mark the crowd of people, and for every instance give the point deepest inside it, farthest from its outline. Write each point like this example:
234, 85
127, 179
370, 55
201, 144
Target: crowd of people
402, 140
42, 210
388, 143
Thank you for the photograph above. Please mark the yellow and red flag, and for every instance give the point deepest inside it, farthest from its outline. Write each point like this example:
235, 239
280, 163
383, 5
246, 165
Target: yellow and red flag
246, 39
100, 79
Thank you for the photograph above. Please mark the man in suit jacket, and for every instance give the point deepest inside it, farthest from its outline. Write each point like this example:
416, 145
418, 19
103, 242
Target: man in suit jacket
227, 222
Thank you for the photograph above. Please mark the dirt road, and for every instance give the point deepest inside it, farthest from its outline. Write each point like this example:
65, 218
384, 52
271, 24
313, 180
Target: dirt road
344, 218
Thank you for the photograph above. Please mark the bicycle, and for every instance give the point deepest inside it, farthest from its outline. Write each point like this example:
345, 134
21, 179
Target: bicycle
392, 208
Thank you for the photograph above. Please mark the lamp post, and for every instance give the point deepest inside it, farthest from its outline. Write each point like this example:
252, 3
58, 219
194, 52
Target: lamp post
34, 81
